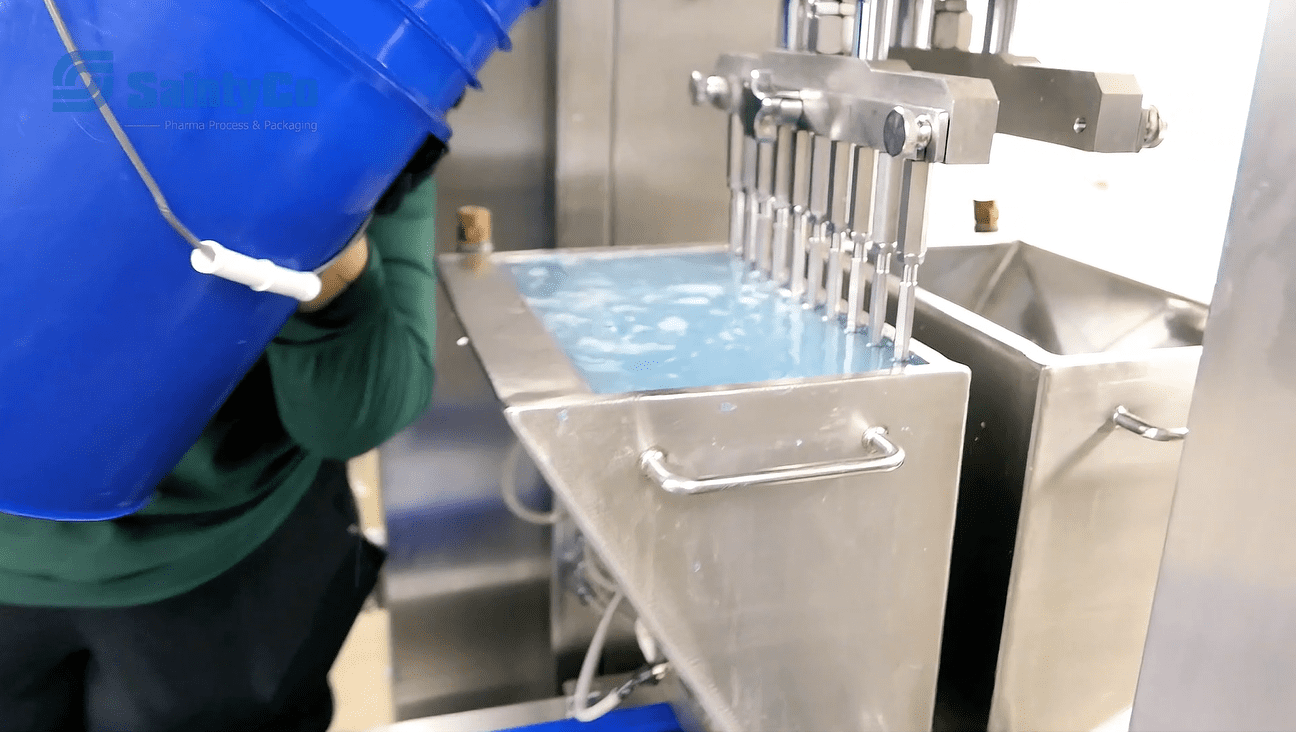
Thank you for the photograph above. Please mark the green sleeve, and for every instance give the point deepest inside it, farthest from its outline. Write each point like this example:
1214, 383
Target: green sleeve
351, 375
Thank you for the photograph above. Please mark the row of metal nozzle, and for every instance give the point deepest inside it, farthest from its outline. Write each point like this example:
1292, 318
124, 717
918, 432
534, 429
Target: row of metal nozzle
818, 217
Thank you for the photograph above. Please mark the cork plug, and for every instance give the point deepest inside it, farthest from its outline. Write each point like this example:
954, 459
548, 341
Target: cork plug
987, 215
475, 229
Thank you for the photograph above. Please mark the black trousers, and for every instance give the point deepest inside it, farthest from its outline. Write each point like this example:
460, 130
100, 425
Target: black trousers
249, 650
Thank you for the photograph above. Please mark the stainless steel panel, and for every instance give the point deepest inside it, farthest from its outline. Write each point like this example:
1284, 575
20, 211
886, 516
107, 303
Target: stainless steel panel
1093, 518
812, 605
1219, 649
1061, 515
587, 55
467, 584
668, 157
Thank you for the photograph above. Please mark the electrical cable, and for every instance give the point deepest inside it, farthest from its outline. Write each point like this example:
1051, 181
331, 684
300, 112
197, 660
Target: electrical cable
583, 712
509, 489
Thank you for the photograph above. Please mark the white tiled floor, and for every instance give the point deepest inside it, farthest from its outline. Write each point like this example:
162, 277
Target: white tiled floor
361, 676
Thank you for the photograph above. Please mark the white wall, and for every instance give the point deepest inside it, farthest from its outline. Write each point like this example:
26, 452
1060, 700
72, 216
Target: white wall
1157, 216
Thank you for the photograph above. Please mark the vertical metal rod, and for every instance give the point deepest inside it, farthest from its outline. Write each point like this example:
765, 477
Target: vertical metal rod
855, 193
860, 46
751, 161
880, 26
886, 213
913, 23
913, 247
766, 170
1001, 15
855, 285
784, 181
792, 37
793, 21
802, 217
839, 189
859, 200
821, 194
737, 196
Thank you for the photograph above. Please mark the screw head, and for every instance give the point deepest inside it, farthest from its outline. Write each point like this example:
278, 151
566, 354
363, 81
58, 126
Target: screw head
905, 134
1154, 127
704, 89
697, 88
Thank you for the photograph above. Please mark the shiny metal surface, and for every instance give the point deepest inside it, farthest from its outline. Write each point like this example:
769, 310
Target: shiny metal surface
1001, 16
586, 43
1218, 651
1125, 419
913, 23
888, 456
1085, 110
814, 605
1061, 515
849, 99
667, 157
467, 584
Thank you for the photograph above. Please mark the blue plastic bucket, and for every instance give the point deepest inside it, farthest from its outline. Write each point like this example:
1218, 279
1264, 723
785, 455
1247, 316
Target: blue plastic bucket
272, 126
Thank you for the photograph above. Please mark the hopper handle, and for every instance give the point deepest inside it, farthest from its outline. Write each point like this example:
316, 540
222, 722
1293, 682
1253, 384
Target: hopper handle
888, 457
1125, 419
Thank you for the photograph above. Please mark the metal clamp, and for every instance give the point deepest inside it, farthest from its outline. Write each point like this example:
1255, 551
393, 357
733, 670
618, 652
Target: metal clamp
890, 457
1124, 419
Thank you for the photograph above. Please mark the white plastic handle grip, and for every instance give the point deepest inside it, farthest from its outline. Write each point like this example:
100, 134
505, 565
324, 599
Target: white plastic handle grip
261, 275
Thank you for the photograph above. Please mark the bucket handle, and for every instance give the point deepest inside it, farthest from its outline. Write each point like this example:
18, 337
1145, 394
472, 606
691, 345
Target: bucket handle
208, 257
889, 457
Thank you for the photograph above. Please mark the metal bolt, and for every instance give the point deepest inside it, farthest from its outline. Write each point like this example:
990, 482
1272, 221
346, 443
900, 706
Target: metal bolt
774, 112
704, 89
1080, 125
905, 134
1154, 127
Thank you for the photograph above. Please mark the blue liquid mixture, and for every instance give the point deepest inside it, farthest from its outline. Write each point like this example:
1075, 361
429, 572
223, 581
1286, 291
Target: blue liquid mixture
646, 322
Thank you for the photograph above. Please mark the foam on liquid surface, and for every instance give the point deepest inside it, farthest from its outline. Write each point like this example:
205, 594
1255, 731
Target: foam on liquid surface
642, 322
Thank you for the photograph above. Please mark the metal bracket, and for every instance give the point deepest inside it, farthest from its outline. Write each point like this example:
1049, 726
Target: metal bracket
1085, 110
849, 100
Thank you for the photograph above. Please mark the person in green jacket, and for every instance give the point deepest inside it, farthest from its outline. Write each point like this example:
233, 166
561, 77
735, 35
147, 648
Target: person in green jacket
224, 602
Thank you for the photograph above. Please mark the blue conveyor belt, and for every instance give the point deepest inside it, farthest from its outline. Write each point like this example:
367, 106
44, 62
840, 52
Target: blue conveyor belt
654, 718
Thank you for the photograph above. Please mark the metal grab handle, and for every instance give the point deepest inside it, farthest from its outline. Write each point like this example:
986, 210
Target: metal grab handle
653, 464
1125, 419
